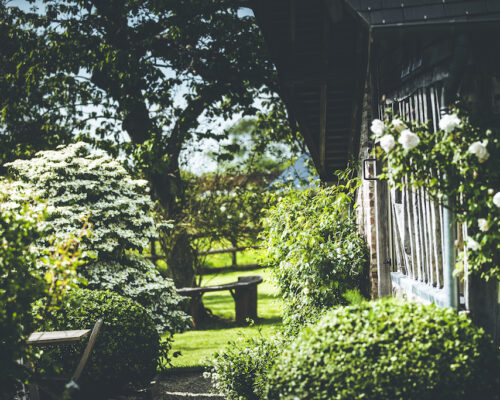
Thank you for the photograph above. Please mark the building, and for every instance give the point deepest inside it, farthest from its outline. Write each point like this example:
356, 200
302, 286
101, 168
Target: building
340, 64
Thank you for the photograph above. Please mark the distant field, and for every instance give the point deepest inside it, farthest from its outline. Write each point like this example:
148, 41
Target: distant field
197, 346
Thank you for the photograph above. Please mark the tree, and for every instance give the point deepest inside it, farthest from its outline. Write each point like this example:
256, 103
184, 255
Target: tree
143, 75
132, 58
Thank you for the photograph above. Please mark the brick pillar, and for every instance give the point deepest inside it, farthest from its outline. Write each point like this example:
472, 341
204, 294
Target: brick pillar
366, 196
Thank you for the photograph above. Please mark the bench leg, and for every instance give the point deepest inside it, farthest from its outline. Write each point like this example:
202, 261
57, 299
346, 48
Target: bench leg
194, 310
245, 303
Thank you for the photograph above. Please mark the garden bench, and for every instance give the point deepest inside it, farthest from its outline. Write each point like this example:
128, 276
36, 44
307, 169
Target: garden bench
244, 293
61, 338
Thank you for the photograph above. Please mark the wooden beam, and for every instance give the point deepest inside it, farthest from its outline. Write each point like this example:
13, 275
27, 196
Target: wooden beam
322, 126
293, 24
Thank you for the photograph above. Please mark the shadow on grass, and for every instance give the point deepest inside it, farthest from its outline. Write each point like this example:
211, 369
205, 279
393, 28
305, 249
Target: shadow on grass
218, 323
223, 298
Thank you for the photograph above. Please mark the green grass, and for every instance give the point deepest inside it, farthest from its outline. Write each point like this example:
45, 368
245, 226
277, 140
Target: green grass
250, 256
197, 346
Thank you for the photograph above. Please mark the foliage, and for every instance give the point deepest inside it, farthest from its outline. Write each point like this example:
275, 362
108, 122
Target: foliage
36, 105
128, 347
388, 350
315, 250
123, 65
217, 208
457, 165
239, 372
19, 287
227, 207
137, 278
78, 185
259, 144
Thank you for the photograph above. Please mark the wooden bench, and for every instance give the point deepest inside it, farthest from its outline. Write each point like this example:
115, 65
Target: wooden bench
244, 293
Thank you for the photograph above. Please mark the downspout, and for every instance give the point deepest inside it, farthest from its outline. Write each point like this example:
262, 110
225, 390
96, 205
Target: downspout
450, 281
448, 93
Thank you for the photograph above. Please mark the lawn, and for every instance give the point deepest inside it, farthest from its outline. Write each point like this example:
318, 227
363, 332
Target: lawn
197, 346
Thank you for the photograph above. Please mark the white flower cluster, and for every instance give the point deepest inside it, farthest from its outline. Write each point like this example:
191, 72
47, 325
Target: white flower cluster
73, 184
449, 122
496, 199
479, 150
407, 138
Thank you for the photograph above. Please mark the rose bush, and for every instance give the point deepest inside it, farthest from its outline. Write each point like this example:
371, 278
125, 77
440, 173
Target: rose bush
460, 162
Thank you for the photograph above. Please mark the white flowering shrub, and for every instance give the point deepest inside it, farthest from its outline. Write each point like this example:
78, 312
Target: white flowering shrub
137, 278
74, 184
459, 161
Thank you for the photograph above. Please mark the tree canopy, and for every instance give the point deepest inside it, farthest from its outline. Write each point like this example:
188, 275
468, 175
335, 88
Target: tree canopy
154, 70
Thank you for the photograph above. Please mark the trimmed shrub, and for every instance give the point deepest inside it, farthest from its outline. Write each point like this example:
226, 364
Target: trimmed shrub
138, 279
239, 371
388, 350
128, 347
18, 289
316, 251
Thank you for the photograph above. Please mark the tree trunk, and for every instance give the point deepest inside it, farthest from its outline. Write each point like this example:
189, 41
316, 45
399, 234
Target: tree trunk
180, 258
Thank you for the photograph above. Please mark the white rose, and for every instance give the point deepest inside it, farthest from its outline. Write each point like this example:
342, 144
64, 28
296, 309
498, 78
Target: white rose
479, 150
387, 142
496, 199
378, 127
449, 122
408, 139
398, 125
482, 223
472, 244
223, 208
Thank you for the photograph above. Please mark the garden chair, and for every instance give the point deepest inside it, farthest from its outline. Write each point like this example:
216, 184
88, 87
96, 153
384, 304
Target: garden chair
64, 338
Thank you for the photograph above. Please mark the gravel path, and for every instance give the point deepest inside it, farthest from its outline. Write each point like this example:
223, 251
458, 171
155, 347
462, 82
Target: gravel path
189, 385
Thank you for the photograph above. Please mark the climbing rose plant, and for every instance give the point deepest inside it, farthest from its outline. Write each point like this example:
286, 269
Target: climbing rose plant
458, 162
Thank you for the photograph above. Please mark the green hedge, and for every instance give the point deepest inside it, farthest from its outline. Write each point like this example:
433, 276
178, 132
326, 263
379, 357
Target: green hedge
315, 250
239, 371
127, 349
388, 350
19, 287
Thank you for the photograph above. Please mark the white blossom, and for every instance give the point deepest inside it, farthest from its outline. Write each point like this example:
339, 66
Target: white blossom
472, 244
72, 183
479, 150
408, 139
483, 225
496, 199
387, 142
449, 122
398, 124
378, 127
223, 208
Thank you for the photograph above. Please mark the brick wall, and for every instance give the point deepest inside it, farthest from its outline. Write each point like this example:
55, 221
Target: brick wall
366, 196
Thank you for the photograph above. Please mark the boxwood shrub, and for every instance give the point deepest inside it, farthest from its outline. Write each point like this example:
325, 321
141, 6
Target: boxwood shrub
239, 371
388, 350
127, 349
